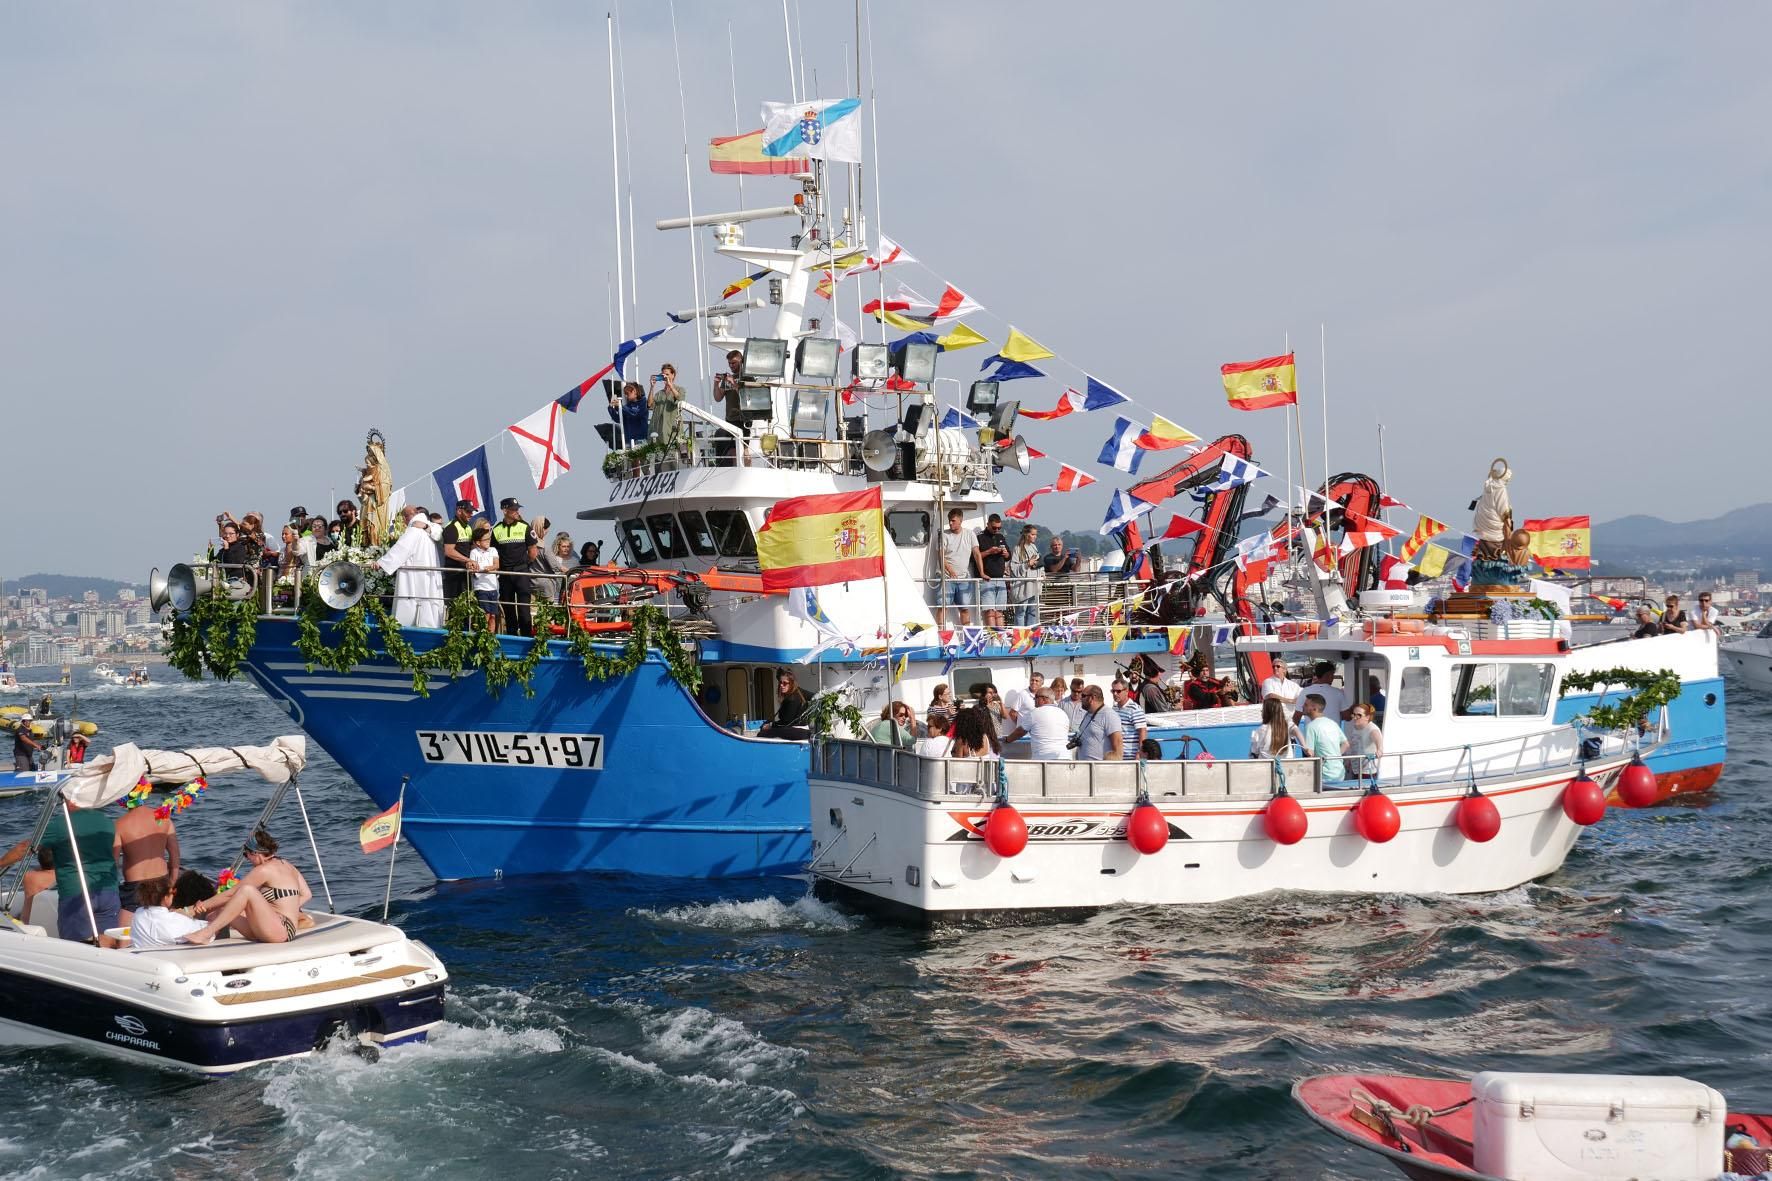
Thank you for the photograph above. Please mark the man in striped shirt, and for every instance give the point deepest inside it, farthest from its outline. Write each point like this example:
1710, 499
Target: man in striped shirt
1132, 723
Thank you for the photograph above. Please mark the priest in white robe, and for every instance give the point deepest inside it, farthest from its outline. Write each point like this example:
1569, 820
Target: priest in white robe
418, 593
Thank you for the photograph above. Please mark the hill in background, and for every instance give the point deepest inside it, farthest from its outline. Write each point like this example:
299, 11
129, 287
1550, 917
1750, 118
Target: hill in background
68, 586
1741, 537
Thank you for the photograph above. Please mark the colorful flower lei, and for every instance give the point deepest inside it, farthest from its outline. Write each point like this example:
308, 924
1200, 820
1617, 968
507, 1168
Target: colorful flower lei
140, 794
227, 881
187, 795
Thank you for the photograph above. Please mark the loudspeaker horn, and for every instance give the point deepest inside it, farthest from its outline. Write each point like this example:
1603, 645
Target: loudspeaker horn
185, 585
156, 590
878, 451
341, 585
1015, 455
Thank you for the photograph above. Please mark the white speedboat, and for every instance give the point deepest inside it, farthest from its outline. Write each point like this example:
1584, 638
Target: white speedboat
1749, 660
104, 674
230, 1004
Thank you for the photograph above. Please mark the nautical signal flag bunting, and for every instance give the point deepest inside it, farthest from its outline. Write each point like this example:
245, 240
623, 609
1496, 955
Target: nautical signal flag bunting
817, 540
1560, 543
1257, 385
380, 830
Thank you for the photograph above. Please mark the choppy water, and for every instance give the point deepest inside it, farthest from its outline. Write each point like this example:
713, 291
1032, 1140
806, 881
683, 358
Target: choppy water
621, 1028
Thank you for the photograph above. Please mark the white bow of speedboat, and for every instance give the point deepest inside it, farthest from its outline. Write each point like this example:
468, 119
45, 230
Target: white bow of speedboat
220, 1007
1749, 660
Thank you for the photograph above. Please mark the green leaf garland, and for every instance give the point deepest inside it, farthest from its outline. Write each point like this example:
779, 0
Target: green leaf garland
1649, 692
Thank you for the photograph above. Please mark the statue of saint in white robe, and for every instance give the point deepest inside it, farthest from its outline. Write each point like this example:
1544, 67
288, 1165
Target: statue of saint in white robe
418, 594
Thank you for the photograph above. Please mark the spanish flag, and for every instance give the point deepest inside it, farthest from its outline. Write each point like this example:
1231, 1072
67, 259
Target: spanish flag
817, 540
743, 154
1560, 543
380, 830
1256, 385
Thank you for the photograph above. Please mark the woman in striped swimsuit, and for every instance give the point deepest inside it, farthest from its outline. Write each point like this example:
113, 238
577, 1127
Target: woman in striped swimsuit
266, 904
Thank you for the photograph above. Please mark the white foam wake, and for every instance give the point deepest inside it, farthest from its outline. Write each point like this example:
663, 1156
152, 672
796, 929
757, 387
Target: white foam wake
758, 914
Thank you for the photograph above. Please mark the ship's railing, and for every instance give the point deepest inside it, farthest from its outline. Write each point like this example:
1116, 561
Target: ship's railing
708, 441
1079, 781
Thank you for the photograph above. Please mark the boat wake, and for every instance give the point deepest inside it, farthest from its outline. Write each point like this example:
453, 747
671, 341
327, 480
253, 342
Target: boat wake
757, 914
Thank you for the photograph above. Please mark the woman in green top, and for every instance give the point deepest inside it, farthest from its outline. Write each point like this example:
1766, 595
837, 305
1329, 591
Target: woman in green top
97, 838
666, 399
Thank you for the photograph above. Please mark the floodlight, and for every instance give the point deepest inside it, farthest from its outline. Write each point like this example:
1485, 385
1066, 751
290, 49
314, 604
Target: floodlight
755, 401
915, 361
809, 413
1003, 417
817, 357
765, 358
982, 397
869, 362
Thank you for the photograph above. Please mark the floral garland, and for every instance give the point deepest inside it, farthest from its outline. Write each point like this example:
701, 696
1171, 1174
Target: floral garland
467, 644
1649, 692
143, 793
217, 634
227, 881
829, 708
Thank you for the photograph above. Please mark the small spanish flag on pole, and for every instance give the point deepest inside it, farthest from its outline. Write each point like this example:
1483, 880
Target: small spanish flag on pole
817, 540
1257, 385
380, 830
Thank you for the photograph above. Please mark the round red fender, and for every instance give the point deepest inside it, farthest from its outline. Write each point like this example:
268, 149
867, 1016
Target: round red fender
1478, 818
1636, 785
1376, 817
1284, 820
1005, 832
1147, 828
1583, 801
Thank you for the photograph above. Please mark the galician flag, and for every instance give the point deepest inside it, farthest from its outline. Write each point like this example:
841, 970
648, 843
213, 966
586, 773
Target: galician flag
828, 129
380, 830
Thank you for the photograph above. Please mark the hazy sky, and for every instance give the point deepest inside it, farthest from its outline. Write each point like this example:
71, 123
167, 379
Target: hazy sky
234, 237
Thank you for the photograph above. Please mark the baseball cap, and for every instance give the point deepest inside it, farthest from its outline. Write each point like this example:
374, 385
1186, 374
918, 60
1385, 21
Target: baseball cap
298, 513
467, 504
509, 502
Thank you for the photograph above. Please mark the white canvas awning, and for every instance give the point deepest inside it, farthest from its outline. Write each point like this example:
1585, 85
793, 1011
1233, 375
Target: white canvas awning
108, 778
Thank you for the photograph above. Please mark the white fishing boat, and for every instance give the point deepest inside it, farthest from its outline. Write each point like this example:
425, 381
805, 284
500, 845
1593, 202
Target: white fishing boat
1749, 660
1485, 792
230, 1004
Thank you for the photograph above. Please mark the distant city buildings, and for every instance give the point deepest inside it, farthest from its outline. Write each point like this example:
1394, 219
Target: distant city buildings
38, 630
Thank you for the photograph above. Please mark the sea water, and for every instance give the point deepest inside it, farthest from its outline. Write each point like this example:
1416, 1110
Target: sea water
610, 1027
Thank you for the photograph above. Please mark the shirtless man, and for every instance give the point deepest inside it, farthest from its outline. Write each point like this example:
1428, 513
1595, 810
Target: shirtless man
146, 848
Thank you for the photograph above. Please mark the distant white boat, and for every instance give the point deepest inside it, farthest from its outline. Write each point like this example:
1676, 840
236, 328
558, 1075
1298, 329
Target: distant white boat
1749, 661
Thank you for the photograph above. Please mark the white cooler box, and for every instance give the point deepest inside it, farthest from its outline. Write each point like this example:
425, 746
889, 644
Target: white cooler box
1566, 1127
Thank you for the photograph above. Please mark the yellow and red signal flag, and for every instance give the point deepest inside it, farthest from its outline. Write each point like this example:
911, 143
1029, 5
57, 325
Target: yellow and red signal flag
1560, 543
1257, 385
816, 540
742, 155
1163, 435
733, 289
380, 830
1426, 529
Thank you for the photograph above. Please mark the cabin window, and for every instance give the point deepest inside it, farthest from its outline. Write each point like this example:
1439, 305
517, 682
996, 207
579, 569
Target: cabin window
639, 541
1416, 694
1502, 690
732, 533
965, 678
665, 535
908, 526
697, 534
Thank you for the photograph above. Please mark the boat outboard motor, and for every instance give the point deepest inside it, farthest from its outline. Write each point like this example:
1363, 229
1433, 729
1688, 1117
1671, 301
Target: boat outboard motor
341, 585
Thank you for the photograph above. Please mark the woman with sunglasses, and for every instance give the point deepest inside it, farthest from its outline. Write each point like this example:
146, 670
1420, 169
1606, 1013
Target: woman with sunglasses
264, 906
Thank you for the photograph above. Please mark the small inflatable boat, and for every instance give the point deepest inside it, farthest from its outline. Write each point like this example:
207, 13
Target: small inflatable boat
1541, 1127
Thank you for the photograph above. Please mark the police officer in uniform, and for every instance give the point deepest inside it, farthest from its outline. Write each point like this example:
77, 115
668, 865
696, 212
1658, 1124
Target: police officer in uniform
517, 547
458, 539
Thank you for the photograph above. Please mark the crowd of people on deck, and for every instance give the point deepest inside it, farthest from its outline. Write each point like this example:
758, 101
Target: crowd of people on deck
980, 567
504, 563
1065, 719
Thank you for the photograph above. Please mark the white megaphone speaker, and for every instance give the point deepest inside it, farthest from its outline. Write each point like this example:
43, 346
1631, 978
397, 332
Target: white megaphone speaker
341, 585
878, 451
185, 585
1015, 455
157, 593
